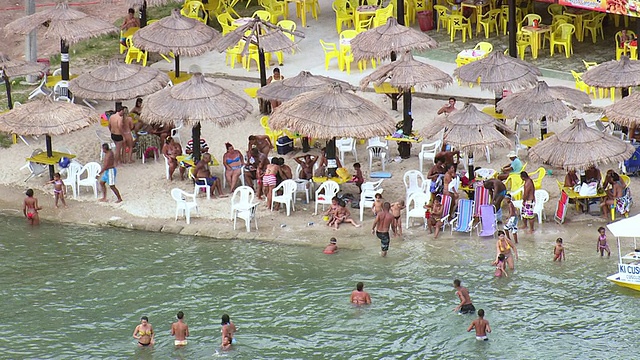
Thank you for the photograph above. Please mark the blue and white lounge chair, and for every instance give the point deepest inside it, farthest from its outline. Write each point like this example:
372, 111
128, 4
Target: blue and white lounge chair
488, 224
463, 222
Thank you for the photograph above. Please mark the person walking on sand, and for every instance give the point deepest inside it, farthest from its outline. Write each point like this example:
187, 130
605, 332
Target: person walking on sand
228, 330
30, 208
528, 201
144, 333
359, 296
108, 174
381, 226
465, 306
481, 325
180, 330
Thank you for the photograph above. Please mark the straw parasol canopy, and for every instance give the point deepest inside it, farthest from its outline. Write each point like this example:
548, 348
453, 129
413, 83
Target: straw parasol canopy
406, 73
543, 101
47, 117
178, 34
332, 112
13, 68
624, 112
118, 81
291, 87
62, 22
379, 42
193, 101
579, 147
497, 72
621, 74
470, 129
268, 37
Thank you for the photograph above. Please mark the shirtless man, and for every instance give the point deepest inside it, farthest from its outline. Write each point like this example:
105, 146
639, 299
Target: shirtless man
449, 157
306, 166
449, 107
127, 127
203, 171
130, 21
465, 306
437, 169
180, 330
381, 227
528, 201
116, 124
262, 142
108, 173
359, 296
481, 325
497, 190
450, 176
284, 173
269, 180
30, 208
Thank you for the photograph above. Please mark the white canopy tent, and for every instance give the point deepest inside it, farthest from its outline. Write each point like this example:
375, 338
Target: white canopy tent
629, 227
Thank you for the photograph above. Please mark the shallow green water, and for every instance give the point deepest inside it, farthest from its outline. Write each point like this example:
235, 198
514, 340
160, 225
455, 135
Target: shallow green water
70, 292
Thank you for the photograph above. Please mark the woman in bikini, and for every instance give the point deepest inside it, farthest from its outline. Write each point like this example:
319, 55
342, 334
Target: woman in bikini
233, 162
171, 150
504, 247
144, 333
30, 208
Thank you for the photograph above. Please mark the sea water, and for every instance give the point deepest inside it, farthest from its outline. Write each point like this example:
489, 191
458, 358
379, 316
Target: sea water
71, 292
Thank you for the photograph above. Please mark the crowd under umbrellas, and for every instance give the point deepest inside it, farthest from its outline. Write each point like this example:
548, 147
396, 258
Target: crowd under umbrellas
47, 117
62, 22
13, 68
192, 102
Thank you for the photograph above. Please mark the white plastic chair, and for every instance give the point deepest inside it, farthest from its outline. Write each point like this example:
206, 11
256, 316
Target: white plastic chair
288, 188
368, 195
346, 145
428, 152
413, 183
41, 89
198, 187
61, 92
376, 141
103, 137
224, 176
415, 206
302, 184
378, 152
175, 132
541, 196
243, 207
325, 193
166, 166
92, 170
72, 177
185, 202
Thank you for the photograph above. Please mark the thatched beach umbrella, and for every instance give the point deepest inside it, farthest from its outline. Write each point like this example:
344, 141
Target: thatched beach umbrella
407, 73
12, 68
623, 74
47, 117
266, 36
543, 103
62, 22
291, 87
579, 147
194, 101
497, 72
625, 112
332, 112
118, 81
387, 41
470, 129
178, 34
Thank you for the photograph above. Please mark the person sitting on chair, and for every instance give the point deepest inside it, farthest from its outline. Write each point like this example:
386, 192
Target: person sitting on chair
130, 21
204, 147
515, 167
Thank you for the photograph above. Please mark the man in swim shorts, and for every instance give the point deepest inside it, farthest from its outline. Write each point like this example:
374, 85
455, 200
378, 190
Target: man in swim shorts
497, 190
481, 325
381, 227
180, 330
359, 296
108, 174
465, 306
528, 201
116, 124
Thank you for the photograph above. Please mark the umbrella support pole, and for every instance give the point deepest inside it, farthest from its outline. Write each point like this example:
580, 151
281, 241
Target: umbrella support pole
64, 60
195, 134
263, 80
143, 14
332, 165
404, 147
543, 128
624, 92
7, 85
512, 27
49, 154
394, 97
118, 105
176, 68
471, 173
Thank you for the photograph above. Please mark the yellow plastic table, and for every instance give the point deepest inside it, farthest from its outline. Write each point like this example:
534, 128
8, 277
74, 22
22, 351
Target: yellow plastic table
478, 9
363, 13
577, 15
252, 92
534, 141
491, 110
53, 80
184, 76
537, 31
413, 139
42, 158
321, 179
188, 159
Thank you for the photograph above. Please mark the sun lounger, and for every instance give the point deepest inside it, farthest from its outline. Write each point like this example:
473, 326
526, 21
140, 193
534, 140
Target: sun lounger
561, 208
463, 222
480, 197
488, 223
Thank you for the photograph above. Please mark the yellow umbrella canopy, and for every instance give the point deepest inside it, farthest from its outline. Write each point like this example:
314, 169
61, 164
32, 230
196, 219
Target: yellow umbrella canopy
497, 72
332, 112
625, 112
579, 147
406, 73
291, 87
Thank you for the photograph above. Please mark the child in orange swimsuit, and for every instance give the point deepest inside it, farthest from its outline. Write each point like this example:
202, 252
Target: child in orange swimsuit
558, 251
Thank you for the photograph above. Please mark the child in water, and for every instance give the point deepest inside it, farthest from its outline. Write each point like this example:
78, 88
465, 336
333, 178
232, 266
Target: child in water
332, 248
226, 344
481, 325
558, 251
30, 208
500, 270
59, 189
602, 242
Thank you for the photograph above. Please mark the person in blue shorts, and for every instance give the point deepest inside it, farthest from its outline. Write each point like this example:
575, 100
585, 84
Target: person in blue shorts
108, 174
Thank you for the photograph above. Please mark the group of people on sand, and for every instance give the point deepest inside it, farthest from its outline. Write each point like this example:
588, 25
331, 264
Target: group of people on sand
145, 335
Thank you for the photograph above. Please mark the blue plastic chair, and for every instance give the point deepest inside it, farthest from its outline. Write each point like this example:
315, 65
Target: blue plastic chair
463, 222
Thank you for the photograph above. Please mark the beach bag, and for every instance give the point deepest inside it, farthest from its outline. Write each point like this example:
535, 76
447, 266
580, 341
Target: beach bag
438, 185
589, 189
284, 145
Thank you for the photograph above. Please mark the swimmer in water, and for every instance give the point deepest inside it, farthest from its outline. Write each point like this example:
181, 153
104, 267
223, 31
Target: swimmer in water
359, 296
558, 251
180, 330
144, 333
228, 329
226, 343
481, 325
332, 248
465, 306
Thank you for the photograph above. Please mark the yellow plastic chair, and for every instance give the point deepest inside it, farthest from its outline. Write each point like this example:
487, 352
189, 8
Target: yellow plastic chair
272, 134
195, 10
275, 9
524, 39
528, 20
134, 54
621, 49
489, 21
555, 9
580, 84
459, 22
233, 55
348, 34
262, 14
253, 55
513, 183
484, 46
123, 37
557, 21
537, 177
330, 52
589, 64
594, 26
364, 25
344, 14
443, 17
226, 22
562, 37
504, 18
382, 15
